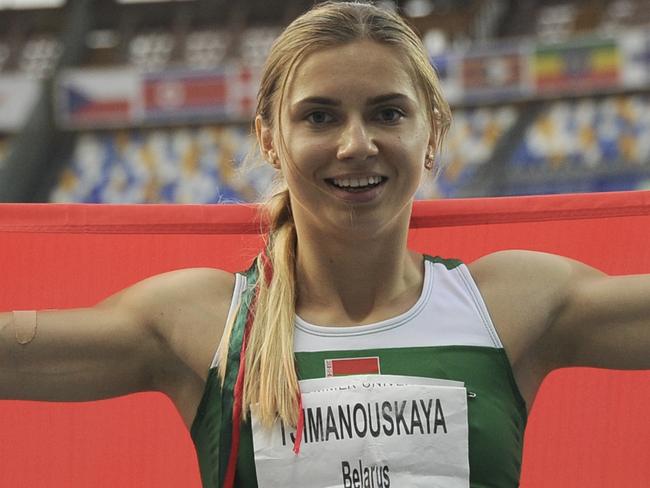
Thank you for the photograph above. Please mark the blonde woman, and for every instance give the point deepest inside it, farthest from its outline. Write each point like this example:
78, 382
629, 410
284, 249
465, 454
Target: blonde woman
351, 115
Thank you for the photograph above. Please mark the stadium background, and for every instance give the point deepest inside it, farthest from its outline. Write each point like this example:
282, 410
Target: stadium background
150, 103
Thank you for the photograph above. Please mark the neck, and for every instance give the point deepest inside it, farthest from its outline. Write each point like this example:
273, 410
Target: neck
348, 280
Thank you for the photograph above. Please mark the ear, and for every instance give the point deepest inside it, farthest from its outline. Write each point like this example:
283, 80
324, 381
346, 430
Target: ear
264, 135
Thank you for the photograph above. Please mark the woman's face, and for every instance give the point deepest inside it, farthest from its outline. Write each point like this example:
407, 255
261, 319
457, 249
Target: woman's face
356, 133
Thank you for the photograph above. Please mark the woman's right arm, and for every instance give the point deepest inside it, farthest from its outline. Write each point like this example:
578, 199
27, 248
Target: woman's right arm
155, 335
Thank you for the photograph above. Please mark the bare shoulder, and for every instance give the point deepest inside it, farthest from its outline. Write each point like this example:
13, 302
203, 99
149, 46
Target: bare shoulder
515, 262
524, 292
161, 298
523, 272
181, 284
186, 309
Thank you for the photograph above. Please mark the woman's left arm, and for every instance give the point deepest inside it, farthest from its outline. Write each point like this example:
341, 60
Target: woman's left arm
602, 321
553, 312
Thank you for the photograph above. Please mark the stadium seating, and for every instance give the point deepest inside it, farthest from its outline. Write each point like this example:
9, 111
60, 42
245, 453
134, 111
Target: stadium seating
39, 55
625, 13
152, 50
588, 133
183, 165
556, 21
585, 140
205, 49
470, 144
255, 44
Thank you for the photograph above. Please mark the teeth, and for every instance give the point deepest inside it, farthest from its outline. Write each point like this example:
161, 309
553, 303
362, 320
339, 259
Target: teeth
356, 182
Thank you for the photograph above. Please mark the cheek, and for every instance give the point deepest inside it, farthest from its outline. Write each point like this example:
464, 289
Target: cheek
413, 149
307, 154
300, 166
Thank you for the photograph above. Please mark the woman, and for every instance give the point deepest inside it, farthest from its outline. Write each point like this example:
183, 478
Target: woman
350, 114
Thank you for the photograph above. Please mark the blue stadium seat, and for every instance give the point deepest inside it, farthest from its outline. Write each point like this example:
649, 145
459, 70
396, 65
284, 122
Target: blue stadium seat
182, 165
470, 144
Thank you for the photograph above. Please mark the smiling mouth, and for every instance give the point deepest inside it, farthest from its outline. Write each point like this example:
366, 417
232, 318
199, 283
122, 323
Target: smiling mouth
356, 185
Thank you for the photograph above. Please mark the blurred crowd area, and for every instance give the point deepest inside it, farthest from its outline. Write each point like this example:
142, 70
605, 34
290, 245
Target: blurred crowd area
566, 141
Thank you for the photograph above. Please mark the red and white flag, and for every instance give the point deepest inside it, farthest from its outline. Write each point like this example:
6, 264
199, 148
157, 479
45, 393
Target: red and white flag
350, 366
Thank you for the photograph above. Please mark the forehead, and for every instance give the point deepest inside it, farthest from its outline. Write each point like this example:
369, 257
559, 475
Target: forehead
360, 70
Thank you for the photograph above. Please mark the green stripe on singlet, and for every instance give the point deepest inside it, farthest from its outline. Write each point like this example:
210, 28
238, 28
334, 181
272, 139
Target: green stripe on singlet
449, 263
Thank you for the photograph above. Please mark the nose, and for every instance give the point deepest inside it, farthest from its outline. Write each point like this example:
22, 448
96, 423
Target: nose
356, 141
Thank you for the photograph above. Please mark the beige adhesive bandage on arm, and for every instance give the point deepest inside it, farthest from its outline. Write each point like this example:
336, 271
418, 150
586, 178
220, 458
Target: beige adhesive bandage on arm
26, 325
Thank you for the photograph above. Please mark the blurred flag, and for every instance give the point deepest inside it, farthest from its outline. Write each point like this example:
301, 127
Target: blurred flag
243, 82
184, 94
96, 98
227, 94
594, 64
495, 74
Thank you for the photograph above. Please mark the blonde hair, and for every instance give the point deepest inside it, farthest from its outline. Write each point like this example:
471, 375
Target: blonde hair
271, 380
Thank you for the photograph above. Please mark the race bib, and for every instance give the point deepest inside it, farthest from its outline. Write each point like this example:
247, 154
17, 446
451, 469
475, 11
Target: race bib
370, 431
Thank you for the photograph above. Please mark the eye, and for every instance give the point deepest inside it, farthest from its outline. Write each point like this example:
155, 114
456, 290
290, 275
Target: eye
319, 117
390, 115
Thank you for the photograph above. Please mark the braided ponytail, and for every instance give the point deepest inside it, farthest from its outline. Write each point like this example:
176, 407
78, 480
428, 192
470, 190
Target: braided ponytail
271, 379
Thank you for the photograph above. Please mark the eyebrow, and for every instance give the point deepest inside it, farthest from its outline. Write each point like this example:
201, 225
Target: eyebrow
333, 102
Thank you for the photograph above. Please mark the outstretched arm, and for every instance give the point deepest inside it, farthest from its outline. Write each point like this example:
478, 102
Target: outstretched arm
604, 320
77, 355
554, 312
147, 337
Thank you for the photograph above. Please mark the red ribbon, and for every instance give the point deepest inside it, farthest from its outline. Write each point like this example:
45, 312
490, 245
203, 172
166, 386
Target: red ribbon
229, 481
300, 427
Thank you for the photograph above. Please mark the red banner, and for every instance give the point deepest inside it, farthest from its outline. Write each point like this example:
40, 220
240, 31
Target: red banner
587, 428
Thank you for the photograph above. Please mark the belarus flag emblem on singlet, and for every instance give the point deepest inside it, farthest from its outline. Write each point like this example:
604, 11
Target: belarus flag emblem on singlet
351, 366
